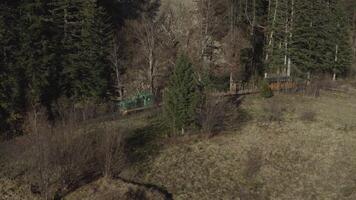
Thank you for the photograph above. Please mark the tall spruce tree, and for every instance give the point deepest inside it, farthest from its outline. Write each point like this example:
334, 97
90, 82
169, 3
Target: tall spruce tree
84, 39
180, 100
96, 37
9, 95
320, 37
300, 46
341, 48
278, 35
33, 58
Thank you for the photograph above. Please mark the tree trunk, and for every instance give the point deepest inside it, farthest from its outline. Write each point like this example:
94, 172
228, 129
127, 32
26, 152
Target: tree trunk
290, 38
253, 63
286, 43
151, 70
354, 35
116, 65
232, 89
205, 21
270, 43
118, 82
65, 27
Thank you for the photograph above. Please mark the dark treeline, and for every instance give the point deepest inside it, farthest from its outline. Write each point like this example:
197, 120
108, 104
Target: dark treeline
88, 50
52, 49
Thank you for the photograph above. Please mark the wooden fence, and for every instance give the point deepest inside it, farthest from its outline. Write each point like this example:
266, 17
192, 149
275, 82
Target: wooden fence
277, 84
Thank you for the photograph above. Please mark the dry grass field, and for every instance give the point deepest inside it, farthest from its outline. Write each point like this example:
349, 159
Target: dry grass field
308, 153
291, 146
104, 189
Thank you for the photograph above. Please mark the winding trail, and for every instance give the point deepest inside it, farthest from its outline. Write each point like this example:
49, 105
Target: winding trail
162, 190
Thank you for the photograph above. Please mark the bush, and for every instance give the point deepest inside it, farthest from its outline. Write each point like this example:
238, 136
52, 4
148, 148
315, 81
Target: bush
66, 154
314, 88
266, 91
219, 83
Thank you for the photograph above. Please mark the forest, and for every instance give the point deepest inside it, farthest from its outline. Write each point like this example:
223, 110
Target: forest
93, 51
84, 82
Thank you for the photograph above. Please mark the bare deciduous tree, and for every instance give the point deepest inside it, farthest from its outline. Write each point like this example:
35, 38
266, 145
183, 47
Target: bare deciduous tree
154, 46
146, 32
210, 13
116, 63
111, 150
68, 153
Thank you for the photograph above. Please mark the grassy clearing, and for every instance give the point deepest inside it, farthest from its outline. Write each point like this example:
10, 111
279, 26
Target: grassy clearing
288, 159
271, 149
113, 189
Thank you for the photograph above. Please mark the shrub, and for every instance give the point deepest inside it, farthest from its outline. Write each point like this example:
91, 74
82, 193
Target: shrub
219, 83
314, 88
266, 91
68, 153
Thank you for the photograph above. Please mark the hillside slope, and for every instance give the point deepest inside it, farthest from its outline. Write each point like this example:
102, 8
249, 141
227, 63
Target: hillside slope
299, 157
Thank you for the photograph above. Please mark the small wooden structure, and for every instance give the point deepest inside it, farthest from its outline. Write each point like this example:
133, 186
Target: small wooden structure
280, 83
276, 82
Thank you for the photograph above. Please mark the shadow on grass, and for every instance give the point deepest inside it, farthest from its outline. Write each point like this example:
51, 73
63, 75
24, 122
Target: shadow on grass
143, 144
237, 116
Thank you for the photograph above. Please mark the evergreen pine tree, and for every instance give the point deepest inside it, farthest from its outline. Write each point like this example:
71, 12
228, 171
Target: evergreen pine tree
341, 48
84, 40
319, 42
300, 45
279, 22
9, 109
95, 38
33, 59
180, 100
54, 88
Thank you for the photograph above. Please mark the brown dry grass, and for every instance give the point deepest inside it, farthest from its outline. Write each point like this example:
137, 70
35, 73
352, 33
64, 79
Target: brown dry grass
288, 160
105, 189
259, 159
19, 163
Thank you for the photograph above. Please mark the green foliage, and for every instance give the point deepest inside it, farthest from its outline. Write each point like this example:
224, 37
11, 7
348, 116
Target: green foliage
50, 49
181, 97
340, 38
319, 29
266, 91
313, 35
84, 39
212, 82
278, 36
34, 57
10, 109
220, 83
55, 48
